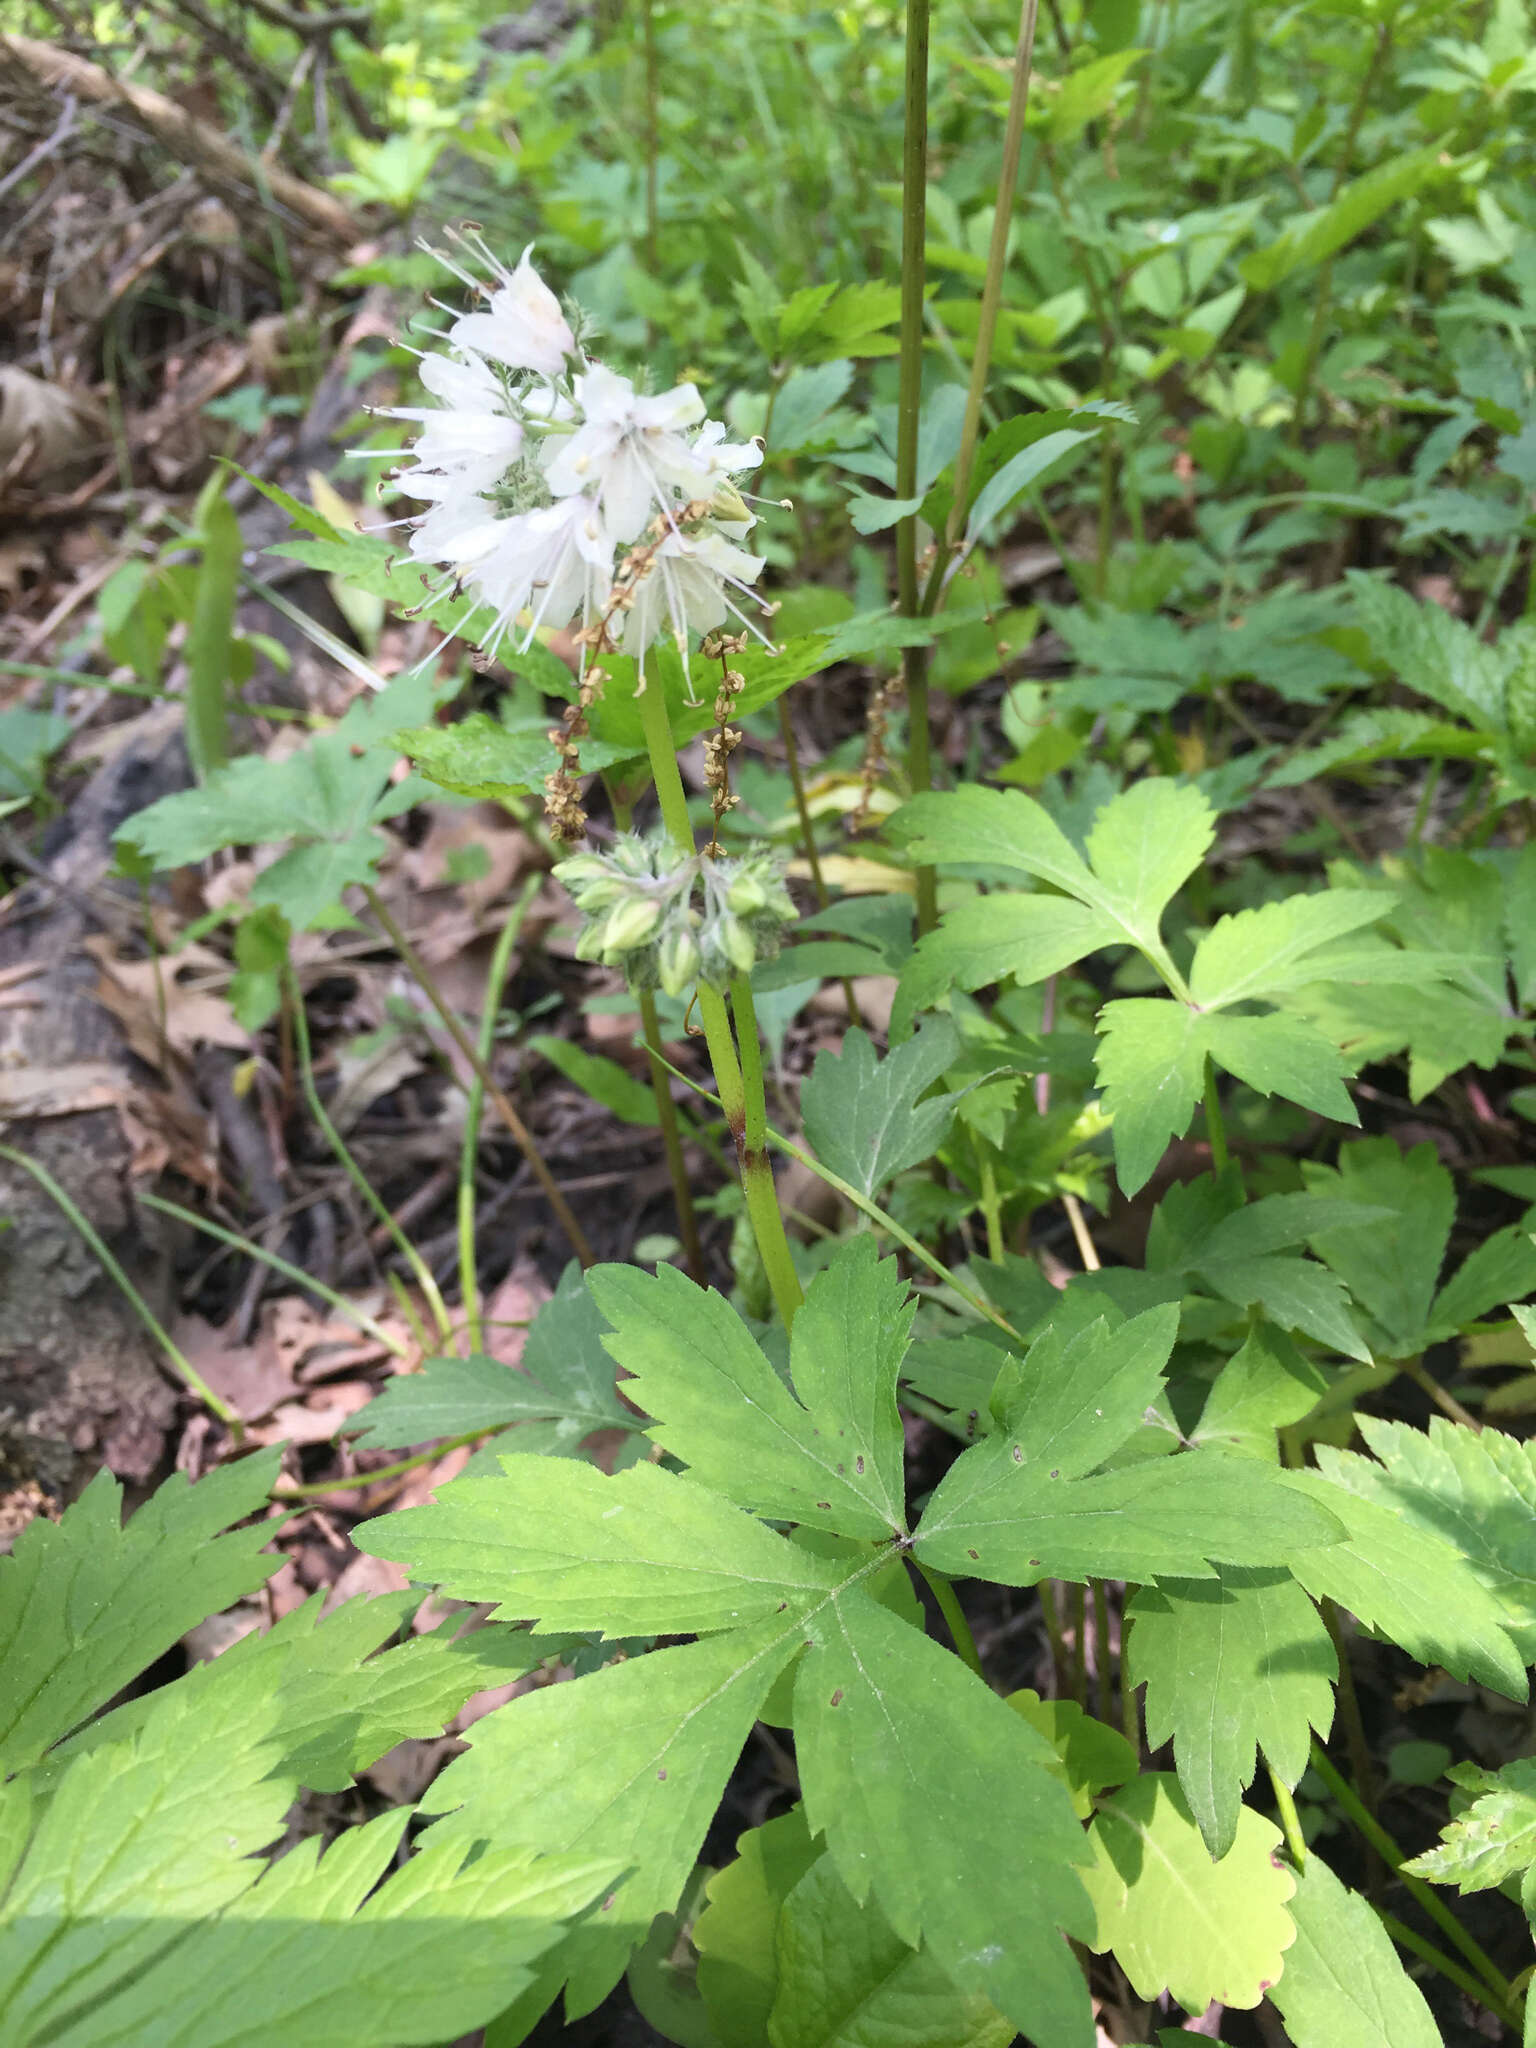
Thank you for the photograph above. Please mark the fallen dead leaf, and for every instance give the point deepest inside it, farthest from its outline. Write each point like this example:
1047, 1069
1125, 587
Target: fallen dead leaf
137, 991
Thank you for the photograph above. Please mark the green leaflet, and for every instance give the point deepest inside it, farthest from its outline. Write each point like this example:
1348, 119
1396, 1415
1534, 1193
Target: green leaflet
1343, 1985
994, 1516
627, 1764
1394, 1274
1407, 1582
844, 1977
342, 1701
1089, 1754
833, 1462
86, 1604
1491, 1840
1175, 1920
564, 1377
1474, 1490
1262, 1388
1076, 1398
941, 1802
1258, 954
1231, 1665
1314, 237
569, 1548
863, 1115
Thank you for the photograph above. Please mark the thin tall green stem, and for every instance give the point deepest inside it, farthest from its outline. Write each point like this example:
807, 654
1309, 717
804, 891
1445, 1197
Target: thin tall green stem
315, 1488
422, 975
180, 1364
756, 1166
420, 1271
671, 1137
997, 267
909, 404
739, 1081
1290, 1821
954, 1616
474, 1109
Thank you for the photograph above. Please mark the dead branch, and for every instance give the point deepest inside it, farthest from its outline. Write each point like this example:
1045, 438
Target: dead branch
182, 134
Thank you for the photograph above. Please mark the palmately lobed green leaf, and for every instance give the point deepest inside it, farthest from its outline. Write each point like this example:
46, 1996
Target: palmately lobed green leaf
722, 1409
736, 1934
1075, 1398
864, 1115
87, 1603
1207, 1932
1144, 844
1151, 1069
944, 1805
1231, 1665
644, 1553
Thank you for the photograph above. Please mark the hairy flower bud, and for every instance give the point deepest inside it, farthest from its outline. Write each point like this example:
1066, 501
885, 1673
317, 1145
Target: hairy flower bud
630, 924
677, 959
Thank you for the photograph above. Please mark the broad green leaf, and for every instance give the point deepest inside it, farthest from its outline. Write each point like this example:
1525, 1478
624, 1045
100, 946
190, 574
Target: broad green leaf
993, 1516
86, 1603
1257, 953
1295, 1294
1493, 1839
643, 1553
308, 882
1313, 237
803, 402
849, 1339
825, 1459
1144, 845
1430, 651
626, 1765
1205, 1932
479, 756
736, 1933
1089, 1754
847, 1980
1474, 1489
1392, 1274
991, 828
1232, 1665
937, 1799
1262, 1388
1407, 1583
1151, 1070
1003, 489
564, 1377
1277, 1055
1500, 1270
1028, 937
1075, 1398
1344, 1985
862, 1114
324, 791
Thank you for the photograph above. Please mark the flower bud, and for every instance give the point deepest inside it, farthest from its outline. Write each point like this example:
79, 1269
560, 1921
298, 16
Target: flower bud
630, 924
735, 941
677, 959
745, 895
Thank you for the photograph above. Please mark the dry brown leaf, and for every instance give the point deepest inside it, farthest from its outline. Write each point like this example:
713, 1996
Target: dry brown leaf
134, 991
60, 1091
43, 428
362, 1079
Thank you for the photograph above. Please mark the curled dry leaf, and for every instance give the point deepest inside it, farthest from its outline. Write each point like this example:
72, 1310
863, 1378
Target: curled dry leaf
43, 428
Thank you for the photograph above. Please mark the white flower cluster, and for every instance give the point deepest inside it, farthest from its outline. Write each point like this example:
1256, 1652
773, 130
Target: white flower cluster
644, 911
559, 494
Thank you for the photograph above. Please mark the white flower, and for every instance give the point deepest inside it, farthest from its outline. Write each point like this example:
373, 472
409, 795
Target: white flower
684, 592
630, 451
467, 441
523, 327
556, 563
